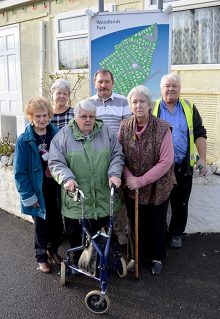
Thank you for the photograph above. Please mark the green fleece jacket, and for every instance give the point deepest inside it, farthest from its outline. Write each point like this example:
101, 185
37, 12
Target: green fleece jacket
90, 161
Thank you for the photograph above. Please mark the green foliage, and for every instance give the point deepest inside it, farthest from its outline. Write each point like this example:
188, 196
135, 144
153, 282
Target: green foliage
6, 146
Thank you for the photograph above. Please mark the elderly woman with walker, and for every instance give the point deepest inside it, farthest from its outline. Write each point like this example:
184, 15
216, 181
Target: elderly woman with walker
86, 158
148, 173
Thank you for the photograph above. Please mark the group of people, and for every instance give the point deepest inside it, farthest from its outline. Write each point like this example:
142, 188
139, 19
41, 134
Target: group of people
109, 139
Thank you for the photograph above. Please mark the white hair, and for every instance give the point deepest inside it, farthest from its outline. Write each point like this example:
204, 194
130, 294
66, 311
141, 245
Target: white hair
86, 105
171, 76
140, 89
60, 83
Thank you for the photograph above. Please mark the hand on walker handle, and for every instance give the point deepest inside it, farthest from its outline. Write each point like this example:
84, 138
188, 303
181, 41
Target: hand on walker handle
114, 180
70, 185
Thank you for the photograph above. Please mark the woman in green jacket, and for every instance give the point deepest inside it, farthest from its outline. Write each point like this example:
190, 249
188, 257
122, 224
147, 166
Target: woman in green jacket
86, 154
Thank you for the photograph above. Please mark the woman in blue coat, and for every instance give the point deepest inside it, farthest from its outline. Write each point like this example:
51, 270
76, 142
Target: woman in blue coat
38, 190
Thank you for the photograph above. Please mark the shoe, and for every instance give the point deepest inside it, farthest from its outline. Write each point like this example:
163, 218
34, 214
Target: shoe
45, 267
176, 242
131, 266
156, 268
55, 258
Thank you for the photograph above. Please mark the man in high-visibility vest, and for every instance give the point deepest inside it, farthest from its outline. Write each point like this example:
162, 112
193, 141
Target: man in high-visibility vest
187, 129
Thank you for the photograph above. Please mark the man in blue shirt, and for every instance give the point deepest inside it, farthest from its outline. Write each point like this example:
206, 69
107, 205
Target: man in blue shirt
187, 129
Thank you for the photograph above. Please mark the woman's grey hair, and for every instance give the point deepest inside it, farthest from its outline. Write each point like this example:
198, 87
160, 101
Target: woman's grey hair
60, 83
170, 76
86, 105
140, 89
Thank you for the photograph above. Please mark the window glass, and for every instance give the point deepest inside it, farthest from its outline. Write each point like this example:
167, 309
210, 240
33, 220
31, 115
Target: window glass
72, 42
73, 24
73, 53
196, 36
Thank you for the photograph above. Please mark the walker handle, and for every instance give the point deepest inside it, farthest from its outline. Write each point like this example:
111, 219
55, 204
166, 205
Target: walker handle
114, 191
78, 196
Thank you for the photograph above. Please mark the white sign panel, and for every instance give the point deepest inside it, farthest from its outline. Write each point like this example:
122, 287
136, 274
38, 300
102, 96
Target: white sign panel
133, 45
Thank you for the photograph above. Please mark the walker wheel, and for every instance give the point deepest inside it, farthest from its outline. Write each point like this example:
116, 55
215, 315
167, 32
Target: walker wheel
97, 302
63, 273
121, 267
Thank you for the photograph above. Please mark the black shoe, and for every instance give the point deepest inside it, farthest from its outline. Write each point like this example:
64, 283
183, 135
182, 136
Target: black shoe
55, 258
156, 268
176, 242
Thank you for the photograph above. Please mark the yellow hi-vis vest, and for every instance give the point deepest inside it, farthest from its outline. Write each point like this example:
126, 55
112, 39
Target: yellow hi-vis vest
188, 110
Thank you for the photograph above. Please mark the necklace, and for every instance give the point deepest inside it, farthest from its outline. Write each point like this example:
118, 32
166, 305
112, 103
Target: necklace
43, 139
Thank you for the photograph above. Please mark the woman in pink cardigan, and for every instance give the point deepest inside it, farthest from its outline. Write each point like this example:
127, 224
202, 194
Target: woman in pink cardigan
147, 145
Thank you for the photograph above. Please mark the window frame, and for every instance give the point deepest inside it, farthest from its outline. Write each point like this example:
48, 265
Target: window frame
110, 7
183, 5
69, 35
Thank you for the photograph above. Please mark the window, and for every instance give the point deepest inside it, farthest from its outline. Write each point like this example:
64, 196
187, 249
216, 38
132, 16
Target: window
196, 36
72, 40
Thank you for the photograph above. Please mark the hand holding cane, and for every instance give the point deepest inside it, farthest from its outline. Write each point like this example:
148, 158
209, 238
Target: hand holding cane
136, 234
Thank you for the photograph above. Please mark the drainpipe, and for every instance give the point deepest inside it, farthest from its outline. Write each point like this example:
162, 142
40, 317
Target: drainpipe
42, 53
160, 5
101, 6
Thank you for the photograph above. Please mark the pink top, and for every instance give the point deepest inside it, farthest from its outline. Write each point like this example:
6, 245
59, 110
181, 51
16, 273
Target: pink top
161, 168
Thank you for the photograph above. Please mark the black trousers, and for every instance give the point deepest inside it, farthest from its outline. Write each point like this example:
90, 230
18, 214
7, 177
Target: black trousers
179, 200
152, 229
48, 231
74, 229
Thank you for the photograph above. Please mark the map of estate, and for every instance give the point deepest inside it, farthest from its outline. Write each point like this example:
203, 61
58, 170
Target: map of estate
132, 59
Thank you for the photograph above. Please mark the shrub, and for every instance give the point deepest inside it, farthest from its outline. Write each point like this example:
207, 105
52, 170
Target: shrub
6, 146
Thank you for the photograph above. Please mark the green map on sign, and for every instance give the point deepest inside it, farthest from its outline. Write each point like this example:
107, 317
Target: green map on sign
131, 61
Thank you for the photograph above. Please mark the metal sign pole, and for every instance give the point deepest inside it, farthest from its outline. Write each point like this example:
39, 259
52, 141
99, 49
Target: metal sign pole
160, 5
101, 6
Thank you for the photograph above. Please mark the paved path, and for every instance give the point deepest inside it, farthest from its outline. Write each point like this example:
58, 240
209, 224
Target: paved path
189, 287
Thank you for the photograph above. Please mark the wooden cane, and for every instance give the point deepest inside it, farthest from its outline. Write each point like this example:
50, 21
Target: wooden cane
136, 234
128, 242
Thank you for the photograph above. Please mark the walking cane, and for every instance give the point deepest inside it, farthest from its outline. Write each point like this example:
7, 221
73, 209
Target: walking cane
128, 243
136, 234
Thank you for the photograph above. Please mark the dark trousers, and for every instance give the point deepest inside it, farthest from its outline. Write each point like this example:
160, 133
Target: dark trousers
74, 229
179, 200
48, 232
152, 229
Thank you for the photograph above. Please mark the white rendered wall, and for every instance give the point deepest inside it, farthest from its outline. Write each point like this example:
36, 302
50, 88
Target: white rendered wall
204, 205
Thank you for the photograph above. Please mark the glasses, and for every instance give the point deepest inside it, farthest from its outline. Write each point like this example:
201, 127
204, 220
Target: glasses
85, 117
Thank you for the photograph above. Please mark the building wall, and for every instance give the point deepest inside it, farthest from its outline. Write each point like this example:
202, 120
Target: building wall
203, 88
201, 85
29, 16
